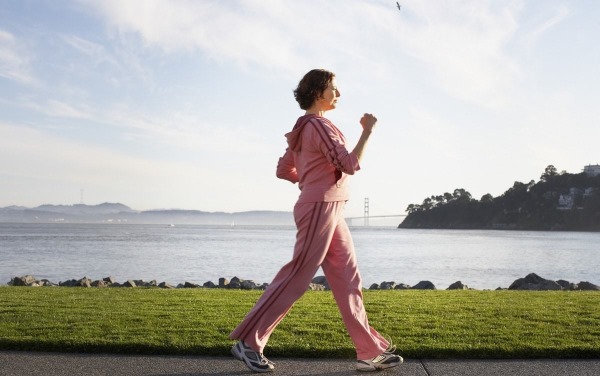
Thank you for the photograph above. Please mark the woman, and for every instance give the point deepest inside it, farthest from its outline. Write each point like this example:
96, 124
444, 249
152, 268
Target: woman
318, 160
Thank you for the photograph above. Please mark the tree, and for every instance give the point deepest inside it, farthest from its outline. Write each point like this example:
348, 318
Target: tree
461, 195
413, 208
549, 173
487, 199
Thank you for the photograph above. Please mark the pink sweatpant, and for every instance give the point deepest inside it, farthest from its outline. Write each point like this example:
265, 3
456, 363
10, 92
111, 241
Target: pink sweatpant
323, 239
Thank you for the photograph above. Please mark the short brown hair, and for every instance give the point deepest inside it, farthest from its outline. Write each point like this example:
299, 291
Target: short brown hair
312, 86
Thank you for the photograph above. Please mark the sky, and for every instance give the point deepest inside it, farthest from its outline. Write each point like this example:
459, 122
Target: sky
184, 104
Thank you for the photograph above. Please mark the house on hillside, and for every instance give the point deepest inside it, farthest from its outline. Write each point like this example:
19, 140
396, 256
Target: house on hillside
592, 170
567, 201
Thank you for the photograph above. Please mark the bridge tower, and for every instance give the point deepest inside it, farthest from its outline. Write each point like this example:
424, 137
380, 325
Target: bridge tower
366, 212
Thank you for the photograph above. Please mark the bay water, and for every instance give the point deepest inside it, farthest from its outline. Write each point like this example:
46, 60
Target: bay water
176, 254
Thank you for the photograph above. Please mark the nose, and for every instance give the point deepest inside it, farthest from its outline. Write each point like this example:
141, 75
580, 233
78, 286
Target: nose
337, 93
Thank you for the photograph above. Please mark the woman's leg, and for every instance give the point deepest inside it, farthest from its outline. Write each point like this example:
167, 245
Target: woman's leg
316, 223
341, 271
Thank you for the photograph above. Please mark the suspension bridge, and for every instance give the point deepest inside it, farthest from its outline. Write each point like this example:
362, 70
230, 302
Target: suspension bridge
377, 220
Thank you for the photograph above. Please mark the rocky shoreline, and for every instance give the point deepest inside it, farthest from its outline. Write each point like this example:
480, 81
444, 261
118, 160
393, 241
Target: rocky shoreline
530, 282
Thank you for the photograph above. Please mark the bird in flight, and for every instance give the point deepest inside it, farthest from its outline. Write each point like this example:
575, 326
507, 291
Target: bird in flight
398, 4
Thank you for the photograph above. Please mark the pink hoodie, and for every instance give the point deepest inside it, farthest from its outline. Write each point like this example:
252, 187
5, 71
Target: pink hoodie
317, 159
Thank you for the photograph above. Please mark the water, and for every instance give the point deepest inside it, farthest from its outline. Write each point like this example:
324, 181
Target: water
481, 259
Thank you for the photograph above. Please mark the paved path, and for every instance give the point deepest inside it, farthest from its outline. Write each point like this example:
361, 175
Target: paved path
17, 363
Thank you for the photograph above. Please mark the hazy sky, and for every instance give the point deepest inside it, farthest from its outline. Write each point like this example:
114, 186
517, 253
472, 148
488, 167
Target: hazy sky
184, 104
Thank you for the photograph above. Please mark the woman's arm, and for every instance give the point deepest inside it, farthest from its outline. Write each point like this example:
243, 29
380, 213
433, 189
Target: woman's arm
368, 123
286, 168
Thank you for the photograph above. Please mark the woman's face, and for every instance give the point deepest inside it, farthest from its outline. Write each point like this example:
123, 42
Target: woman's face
329, 97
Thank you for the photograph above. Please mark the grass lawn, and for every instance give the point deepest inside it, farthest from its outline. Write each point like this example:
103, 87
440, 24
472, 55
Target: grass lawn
423, 324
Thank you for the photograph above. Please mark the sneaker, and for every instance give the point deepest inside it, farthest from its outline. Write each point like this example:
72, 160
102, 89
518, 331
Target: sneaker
256, 361
386, 360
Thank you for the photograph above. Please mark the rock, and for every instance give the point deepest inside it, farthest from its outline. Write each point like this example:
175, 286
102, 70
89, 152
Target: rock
316, 287
165, 285
458, 285
235, 283
424, 285
129, 283
209, 284
190, 285
223, 282
247, 285
321, 280
263, 286
402, 286
110, 280
141, 283
45, 282
564, 284
534, 282
374, 286
588, 286
26, 280
69, 283
84, 282
387, 285
100, 283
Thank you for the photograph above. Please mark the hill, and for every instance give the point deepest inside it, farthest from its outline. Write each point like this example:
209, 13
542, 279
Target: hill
119, 213
556, 202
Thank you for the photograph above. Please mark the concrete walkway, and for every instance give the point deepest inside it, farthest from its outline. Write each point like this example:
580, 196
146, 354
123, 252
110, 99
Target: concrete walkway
17, 363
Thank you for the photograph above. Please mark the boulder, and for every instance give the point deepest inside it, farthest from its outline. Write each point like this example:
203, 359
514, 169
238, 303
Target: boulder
534, 282
209, 284
247, 285
402, 286
129, 283
321, 280
142, 283
458, 285
588, 286
110, 280
374, 286
100, 283
223, 282
84, 282
165, 285
387, 285
45, 282
69, 283
424, 285
316, 287
26, 280
190, 285
235, 283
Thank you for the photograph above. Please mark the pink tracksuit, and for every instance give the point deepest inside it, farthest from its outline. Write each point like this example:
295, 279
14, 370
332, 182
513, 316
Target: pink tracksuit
316, 159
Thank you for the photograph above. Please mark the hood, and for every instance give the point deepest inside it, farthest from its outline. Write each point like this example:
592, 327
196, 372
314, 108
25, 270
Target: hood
294, 138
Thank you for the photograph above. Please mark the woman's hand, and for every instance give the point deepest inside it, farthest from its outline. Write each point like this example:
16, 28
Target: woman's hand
368, 122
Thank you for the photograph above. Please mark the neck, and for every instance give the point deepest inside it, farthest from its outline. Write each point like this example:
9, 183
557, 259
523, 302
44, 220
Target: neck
315, 111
